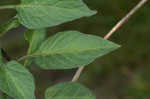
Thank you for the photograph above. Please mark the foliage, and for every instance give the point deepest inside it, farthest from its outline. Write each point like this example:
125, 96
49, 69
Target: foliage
64, 50
16, 81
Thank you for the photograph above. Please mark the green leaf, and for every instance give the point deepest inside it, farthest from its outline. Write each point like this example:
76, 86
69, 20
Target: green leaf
12, 23
71, 49
35, 38
16, 81
46, 13
69, 90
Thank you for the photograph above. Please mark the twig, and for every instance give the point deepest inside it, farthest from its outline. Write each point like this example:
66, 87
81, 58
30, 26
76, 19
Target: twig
122, 21
109, 34
78, 73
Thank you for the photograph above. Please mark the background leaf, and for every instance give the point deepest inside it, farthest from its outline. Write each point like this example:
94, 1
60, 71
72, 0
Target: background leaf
68, 90
12, 23
71, 49
16, 81
46, 13
35, 38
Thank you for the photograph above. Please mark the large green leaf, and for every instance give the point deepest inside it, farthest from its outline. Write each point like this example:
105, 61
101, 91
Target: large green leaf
46, 13
16, 81
12, 23
35, 38
71, 49
68, 90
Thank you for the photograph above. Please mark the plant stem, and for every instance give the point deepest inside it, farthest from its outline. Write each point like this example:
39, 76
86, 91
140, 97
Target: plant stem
109, 34
123, 20
7, 7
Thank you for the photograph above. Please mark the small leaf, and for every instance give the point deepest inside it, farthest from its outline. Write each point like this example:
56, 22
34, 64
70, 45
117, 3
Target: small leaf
71, 49
35, 38
69, 90
12, 23
16, 81
46, 13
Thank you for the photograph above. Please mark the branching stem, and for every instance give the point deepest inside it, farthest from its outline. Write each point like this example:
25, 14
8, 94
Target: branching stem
109, 34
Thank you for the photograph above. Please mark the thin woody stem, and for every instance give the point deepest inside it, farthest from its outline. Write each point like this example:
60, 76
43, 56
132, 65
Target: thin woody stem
125, 19
114, 29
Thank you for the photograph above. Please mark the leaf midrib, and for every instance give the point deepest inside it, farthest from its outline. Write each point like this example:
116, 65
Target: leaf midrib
71, 51
38, 6
9, 75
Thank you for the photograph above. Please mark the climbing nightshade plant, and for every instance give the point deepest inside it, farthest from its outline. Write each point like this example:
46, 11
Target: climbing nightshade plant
64, 50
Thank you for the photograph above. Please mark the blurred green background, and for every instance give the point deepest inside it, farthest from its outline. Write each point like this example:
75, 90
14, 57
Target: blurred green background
123, 74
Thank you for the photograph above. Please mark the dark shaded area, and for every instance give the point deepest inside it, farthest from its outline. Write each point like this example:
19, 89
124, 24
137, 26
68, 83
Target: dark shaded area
123, 74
